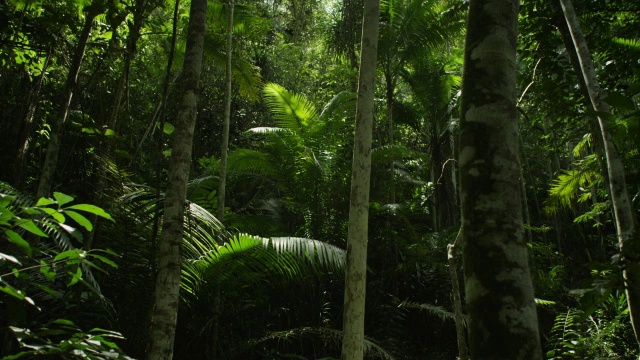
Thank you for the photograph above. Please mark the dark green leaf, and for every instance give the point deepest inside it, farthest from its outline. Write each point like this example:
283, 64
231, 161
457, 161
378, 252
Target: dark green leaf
15, 238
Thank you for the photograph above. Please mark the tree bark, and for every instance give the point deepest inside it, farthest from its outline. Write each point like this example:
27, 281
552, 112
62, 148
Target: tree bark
227, 117
501, 310
55, 138
625, 220
166, 296
463, 350
357, 234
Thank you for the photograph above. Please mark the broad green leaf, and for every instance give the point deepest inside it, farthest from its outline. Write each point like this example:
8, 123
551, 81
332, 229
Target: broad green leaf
619, 101
45, 202
54, 214
31, 227
69, 254
90, 130
5, 200
81, 220
10, 290
109, 132
75, 277
168, 128
62, 198
167, 153
91, 209
15, 238
105, 260
6, 215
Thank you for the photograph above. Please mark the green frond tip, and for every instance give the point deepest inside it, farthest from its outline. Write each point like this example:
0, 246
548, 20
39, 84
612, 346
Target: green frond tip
290, 111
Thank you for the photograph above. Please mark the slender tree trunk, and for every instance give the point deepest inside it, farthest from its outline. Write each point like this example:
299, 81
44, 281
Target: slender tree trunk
25, 135
55, 138
166, 296
357, 234
222, 182
457, 299
103, 148
625, 220
501, 310
389, 95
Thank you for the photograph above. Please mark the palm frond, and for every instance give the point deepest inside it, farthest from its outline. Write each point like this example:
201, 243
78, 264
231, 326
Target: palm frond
433, 310
290, 111
326, 335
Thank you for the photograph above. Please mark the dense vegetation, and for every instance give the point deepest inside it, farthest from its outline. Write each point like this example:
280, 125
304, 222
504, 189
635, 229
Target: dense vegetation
100, 83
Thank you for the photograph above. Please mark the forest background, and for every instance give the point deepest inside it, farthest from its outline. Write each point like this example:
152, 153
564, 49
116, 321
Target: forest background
96, 83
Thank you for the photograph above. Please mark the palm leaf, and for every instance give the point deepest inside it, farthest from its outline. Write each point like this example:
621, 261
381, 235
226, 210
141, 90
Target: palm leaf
290, 111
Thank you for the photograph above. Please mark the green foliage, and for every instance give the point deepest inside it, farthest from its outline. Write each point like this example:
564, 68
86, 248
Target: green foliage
41, 268
606, 334
62, 338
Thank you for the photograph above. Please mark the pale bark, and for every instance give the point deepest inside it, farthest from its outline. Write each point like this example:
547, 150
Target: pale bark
623, 212
463, 350
55, 137
166, 296
502, 317
227, 117
357, 235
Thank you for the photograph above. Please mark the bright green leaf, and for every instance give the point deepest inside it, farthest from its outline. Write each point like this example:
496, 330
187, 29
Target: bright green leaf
81, 220
62, 198
54, 214
31, 227
75, 277
45, 202
168, 128
91, 209
69, 254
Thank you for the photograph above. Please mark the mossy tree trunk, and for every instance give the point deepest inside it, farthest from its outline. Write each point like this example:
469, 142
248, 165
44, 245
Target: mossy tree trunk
357, 234
166, 296
501, 310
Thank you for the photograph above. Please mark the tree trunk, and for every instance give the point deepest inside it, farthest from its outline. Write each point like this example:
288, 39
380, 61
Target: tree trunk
624, 216
502, 315
55, 138
227, 117
357, 234
463, 350
166, 296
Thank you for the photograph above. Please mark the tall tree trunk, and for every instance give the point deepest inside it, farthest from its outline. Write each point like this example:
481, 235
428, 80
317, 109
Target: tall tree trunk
103, 148
625, 220
501, 309
55, 138
463, 350
357, 234
391, 86
222, 182
25, 135
166, 296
